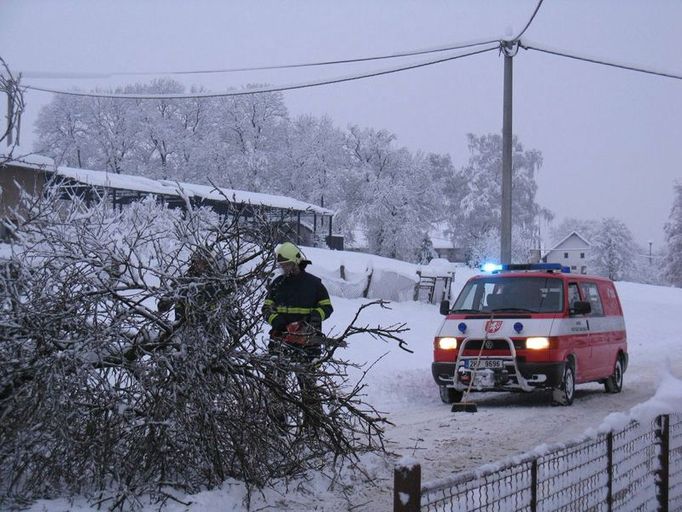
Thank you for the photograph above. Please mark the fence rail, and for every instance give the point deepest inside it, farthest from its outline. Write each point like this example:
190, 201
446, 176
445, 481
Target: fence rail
636, 468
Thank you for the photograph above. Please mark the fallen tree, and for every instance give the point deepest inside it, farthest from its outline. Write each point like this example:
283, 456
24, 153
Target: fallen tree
133, 360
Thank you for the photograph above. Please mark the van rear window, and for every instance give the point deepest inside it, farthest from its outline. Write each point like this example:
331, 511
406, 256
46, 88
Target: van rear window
529, 294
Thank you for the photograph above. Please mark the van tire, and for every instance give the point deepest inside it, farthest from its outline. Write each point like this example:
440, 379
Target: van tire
614, 384
450, 395
564, 394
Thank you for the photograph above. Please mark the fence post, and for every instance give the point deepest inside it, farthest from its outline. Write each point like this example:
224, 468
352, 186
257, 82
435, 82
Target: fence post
407, 486
609, 468
534, 485
662, 439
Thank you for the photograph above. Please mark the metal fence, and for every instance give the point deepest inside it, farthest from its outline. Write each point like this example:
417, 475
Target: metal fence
637, 468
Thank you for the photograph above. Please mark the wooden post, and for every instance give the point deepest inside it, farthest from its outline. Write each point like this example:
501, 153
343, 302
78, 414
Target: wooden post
407, 482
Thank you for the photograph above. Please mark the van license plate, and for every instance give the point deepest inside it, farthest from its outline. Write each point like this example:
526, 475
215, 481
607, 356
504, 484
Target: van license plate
484, 363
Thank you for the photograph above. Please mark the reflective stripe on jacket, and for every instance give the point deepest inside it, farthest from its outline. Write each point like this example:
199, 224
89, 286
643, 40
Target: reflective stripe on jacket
296, 297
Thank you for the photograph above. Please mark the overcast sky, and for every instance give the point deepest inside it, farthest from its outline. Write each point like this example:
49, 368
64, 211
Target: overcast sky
611, 139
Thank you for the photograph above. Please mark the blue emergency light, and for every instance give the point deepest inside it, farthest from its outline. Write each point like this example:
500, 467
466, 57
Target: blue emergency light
549, 267
491, 267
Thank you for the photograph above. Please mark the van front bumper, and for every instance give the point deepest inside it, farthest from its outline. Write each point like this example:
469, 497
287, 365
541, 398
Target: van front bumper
537, 375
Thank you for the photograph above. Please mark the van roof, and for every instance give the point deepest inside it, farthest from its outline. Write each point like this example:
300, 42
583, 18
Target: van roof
537, 273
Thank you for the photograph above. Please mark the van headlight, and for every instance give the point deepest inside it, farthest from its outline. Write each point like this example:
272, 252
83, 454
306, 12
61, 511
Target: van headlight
537, 343
447, 343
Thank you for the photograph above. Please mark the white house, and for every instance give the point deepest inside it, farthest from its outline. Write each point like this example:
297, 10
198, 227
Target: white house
571, 252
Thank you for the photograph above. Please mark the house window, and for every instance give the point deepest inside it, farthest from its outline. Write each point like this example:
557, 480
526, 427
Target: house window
565, 255
573, 268
582, 255
583, 269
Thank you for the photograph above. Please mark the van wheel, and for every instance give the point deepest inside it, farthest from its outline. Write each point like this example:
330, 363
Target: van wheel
450, 395
564, 394
614, 383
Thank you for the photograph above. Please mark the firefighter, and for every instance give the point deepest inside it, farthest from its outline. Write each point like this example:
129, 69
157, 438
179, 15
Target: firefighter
296, 304
196, 293
295, 297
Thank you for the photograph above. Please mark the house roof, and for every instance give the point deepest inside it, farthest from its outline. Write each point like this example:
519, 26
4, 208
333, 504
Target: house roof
572, 233
165, 187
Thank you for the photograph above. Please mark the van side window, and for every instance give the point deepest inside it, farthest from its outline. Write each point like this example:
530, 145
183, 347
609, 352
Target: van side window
573, 294
592, 295
609, 299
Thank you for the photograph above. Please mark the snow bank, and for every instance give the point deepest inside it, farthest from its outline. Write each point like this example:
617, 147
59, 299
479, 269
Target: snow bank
353, 275
666, 400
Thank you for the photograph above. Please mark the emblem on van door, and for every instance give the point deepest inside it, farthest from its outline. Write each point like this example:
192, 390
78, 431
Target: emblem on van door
492, 326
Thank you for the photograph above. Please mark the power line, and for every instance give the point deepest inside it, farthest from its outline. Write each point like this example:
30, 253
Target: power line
537, 8
264, 89
562, 53
458, 46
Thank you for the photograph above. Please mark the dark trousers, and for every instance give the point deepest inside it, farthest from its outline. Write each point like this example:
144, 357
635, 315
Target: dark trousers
301, 359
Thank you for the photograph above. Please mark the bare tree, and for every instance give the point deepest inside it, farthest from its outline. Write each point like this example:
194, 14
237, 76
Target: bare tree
133, 359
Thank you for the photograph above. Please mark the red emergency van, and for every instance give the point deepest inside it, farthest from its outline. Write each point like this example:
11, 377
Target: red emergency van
528, 327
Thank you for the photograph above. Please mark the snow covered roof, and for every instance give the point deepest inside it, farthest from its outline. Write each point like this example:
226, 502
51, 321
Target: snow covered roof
164, 187
441, 243
563, 240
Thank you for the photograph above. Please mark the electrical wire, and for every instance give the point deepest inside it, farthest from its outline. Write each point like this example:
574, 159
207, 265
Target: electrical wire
562, 53
458, 46
537, 8
263, 89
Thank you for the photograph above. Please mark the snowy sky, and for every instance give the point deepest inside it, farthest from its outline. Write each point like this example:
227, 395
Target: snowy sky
610, 138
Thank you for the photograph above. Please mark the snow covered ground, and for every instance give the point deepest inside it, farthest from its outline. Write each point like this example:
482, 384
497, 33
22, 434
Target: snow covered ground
400, 384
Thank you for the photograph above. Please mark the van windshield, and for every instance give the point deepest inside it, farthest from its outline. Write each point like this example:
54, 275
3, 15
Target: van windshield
525, 294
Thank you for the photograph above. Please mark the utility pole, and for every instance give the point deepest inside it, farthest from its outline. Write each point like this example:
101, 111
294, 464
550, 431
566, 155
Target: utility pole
509, 48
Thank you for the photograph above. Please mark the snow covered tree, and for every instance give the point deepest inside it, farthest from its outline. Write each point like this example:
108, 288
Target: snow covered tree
250, 130
114, 136
673, 238
64, 133
161, 129
133, 360
585, 228
310, 163
388, 193
487, 248
612, 251
474, 211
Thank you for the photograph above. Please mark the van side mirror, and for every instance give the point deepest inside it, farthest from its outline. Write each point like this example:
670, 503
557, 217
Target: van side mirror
581, 307
444, 307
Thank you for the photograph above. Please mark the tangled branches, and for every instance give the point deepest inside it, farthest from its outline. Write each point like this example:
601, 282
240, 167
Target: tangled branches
133, 360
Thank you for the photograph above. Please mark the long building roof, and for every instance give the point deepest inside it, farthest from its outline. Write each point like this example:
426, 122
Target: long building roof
133, 183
